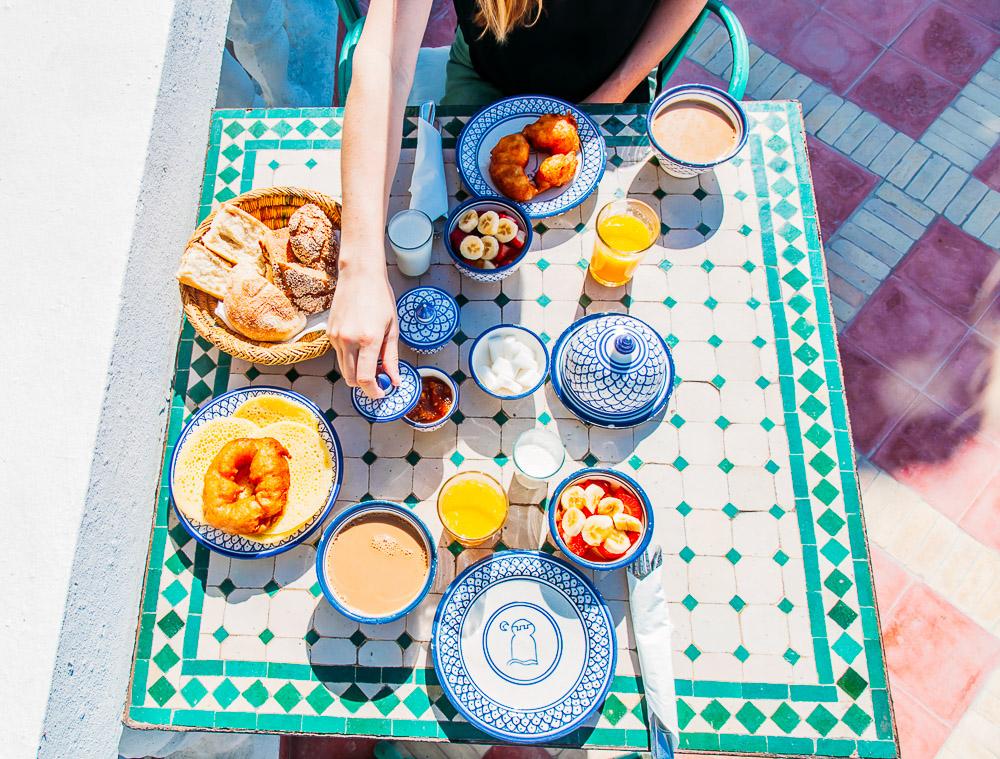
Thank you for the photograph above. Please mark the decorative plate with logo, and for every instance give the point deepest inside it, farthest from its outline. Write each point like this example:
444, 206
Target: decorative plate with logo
510, 115
612, 370
397, 401
428, 318
524, 646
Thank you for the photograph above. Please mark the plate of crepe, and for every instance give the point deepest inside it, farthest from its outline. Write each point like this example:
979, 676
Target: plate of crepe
544, 153
259, 274
255, 472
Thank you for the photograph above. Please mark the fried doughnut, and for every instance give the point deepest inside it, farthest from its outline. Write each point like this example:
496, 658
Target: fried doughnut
246, 485
513, 148
556, 170
511, 180
553, 133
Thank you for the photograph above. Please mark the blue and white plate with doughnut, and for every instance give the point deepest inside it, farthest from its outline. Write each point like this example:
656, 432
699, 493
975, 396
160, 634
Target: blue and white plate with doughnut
524, 646
511, 115
315, 468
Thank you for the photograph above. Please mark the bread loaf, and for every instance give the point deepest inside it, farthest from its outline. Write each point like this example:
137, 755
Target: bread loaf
258, 309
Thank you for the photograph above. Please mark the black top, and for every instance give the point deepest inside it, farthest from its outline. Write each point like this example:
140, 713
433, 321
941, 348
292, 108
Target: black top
568, 53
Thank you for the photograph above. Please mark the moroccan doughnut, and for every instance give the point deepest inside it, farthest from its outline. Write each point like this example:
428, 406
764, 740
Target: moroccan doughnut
246, 485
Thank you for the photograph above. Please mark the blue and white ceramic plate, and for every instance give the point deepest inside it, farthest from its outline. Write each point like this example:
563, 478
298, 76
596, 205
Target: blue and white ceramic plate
484, 130
242, 546
524, 646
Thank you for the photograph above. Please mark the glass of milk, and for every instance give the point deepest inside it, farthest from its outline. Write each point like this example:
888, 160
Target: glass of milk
411, 235
538, 456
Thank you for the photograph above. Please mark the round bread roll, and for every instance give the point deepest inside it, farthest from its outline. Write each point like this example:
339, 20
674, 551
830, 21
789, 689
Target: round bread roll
260, 310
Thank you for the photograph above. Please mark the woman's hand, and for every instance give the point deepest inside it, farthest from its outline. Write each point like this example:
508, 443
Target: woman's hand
363, 328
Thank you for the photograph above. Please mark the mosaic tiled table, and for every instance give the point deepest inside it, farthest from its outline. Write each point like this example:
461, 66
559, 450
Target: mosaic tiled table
777, 644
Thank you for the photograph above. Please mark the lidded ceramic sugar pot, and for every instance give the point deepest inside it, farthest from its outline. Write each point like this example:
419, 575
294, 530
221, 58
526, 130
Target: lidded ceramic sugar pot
612, 370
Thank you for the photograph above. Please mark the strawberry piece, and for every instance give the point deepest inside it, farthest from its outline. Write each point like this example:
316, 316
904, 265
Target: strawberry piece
457, 235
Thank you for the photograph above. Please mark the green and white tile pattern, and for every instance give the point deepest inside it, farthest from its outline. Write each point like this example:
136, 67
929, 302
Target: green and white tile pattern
777, 647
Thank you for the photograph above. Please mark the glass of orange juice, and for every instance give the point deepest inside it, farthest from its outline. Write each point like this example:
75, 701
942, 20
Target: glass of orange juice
472, 506
626, 229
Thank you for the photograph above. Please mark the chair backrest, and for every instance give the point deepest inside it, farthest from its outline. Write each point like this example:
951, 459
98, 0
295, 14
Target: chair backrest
349, 11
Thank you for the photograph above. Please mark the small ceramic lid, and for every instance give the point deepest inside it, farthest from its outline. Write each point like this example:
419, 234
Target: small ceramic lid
397, 401
612, 370
428, 318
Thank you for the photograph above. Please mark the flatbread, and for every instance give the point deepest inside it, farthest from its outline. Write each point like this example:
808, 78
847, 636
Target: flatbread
236, 236
309, 465
203, 270
267, 409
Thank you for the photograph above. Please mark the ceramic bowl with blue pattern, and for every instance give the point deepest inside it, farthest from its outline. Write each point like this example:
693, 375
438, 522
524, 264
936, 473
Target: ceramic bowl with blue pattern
707, 95
612, 370
501, 206
428, 318
511, 115
618, 479
345, 519
433, 371
478, 354
246, 546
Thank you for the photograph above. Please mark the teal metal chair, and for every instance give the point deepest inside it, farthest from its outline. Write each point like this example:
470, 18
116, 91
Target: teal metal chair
354, 22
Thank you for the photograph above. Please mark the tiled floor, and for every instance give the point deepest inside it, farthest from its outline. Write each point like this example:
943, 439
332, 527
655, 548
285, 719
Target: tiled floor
902, 103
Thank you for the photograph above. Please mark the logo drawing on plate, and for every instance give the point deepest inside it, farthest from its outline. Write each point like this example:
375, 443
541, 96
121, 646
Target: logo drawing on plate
522, 643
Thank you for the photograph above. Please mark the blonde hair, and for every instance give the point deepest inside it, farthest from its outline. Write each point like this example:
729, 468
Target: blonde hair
500, 17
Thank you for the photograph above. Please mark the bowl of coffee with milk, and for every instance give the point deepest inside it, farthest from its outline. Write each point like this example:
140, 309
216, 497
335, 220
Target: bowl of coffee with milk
694, 127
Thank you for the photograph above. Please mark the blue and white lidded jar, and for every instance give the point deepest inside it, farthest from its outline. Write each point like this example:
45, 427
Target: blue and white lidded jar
612, 370
397, 401
428, 318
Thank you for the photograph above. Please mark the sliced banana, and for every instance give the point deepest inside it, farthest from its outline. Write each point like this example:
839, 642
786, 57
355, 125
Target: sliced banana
596, 529
490, 247
610, 506
469, 220
572, 522
488, 223
472, 248
617, 543
594, 494
627, 523
506, 230
573, 498
489, 265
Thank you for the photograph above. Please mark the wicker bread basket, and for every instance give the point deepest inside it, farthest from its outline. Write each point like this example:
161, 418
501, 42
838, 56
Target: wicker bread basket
273, 206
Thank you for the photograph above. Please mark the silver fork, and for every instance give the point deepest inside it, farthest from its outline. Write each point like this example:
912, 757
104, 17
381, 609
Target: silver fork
647, 563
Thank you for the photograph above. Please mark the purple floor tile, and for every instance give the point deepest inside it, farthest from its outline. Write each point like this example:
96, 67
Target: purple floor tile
839, 182
948, 42
988, 171
831, 52
880, 21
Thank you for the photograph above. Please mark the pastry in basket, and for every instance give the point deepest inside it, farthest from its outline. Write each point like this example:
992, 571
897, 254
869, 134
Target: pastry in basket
202, 269
311, 290
235, 235
276, 248
311, 236
258, 309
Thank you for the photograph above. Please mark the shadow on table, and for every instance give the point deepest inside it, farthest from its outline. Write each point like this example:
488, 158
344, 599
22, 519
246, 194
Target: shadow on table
691, 210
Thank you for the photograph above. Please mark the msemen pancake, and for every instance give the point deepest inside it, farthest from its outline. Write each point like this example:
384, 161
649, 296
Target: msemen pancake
310, 469
267, 409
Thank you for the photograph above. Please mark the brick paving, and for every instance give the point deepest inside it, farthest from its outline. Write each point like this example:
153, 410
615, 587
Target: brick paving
901, 100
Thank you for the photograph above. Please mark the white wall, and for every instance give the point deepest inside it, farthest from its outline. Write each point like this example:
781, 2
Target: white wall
78, 85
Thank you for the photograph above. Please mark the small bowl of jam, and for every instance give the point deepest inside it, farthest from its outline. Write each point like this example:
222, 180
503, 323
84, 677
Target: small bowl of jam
438, 400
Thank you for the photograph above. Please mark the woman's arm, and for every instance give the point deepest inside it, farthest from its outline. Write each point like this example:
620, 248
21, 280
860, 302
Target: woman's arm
666, 25
362, 325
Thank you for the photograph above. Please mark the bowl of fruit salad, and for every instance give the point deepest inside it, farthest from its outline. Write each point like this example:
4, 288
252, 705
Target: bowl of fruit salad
600, 518
487, 238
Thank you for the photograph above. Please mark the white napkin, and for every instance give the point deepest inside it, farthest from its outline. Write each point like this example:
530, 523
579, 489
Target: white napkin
652, 632
428, 192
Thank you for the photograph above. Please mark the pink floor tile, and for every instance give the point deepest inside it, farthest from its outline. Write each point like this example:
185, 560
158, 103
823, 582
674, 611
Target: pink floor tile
954, 269
688, 71
840, 183
891, 580
517, 752
905, 95
940, 456
987, 11
948, 42
880, 21
961, 383
988, 170
315, 747
906, 331
936, 654
982, 519
831, 52
920, 733
773, 24
876, 398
